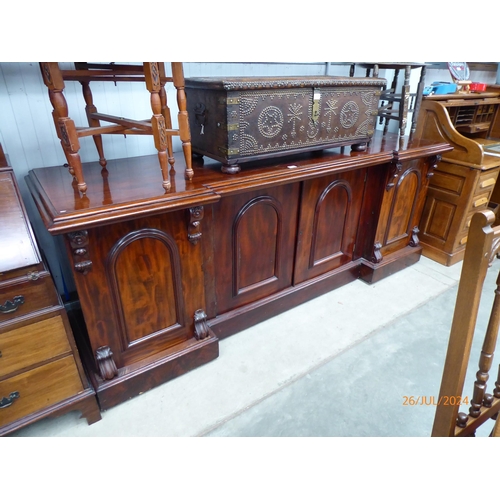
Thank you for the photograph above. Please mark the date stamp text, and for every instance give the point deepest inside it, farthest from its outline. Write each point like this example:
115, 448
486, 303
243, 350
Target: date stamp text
435, 401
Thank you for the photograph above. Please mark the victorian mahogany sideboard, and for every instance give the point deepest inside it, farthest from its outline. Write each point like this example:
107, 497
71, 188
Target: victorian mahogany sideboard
466, 180
40, 369
161, 277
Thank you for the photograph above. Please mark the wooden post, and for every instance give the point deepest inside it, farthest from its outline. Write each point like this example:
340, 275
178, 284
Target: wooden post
152, 74
184, 132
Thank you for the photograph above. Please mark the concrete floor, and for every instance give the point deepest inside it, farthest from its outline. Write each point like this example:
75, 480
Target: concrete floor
339, 365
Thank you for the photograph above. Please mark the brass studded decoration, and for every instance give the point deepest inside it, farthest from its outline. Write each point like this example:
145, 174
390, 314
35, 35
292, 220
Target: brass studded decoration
284, 119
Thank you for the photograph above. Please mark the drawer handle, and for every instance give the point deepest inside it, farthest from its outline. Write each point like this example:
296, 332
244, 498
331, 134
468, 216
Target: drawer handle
4, 402
481, 201
487, 182
12, 305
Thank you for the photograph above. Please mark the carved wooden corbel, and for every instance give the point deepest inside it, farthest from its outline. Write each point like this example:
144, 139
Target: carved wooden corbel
106, 363
397, 166
377, 254
433, 164
194, 225
414, 242
79, 243
201, 328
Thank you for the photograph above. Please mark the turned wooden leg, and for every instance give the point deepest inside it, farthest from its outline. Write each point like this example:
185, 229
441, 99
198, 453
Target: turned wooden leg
65, 127
418, 101
185, 135
165, 111
405, 102
71, 148
486, 357
152, 74
390, 104
93, 122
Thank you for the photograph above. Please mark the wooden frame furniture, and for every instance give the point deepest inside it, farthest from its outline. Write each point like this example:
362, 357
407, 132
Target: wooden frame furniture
40, 369
160, 124
407, 101
162, 277
482, 247
466, 179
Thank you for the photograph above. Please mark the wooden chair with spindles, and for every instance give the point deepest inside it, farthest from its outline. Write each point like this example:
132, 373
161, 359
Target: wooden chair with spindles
482, 248
159, 125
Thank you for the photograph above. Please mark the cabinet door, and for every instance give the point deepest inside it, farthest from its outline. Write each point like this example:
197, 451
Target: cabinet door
402, 206
328, 224
139, 285
448, 201
254, 244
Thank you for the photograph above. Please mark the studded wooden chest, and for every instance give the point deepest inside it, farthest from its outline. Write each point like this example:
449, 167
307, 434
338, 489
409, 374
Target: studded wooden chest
236, 120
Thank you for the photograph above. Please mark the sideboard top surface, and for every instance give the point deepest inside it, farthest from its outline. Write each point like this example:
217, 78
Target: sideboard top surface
132, 187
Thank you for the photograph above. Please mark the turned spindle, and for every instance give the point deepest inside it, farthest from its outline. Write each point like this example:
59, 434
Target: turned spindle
152, 74
486, 357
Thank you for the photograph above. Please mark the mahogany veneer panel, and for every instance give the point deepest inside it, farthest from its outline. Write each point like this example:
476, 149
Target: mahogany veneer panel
38, 294
328, 223
41, 387
33, 344
254, 244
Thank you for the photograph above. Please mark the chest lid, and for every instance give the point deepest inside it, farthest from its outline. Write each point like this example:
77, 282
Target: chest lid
273, 82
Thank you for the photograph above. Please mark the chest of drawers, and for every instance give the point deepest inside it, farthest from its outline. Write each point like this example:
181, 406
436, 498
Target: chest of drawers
40, 369
466, 179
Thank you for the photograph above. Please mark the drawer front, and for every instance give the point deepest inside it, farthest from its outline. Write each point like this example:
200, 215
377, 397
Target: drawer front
480, 201
38, 389
36, 294
486, 182
32, 344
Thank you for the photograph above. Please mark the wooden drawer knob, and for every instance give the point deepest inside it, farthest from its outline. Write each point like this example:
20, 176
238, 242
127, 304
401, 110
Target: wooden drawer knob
480, 202
487, 182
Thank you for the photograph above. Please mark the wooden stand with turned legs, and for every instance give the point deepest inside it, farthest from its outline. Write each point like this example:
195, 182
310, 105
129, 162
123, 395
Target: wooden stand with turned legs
159, 125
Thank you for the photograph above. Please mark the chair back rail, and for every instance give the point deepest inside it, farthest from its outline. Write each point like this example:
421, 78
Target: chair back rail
482, 247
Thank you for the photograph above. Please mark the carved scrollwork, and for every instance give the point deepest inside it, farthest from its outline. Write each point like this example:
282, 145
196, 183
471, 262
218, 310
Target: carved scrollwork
414, 242
194, 226
433, 164
377, 254
79, 243
106, 363
159, 121
201, 328
396, 170
47, 73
